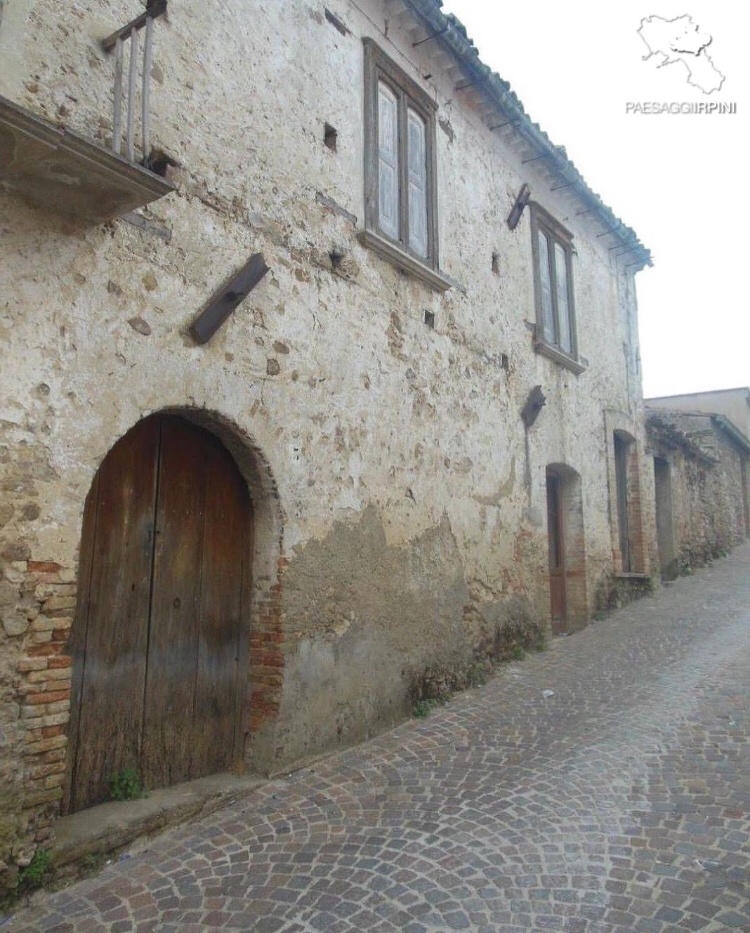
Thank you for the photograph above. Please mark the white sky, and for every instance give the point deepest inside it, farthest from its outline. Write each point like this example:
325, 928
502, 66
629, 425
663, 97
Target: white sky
679, 181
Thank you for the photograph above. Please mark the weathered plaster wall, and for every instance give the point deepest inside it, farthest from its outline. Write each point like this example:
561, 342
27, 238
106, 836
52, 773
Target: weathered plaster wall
403, 504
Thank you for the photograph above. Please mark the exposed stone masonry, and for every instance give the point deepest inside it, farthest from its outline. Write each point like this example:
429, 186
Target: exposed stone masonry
707, 490
37, 633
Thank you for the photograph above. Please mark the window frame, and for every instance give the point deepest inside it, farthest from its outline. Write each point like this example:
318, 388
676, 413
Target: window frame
409, 96
543, 223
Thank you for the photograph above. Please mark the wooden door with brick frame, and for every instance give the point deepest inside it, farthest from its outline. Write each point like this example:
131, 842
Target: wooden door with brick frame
159, 642
556, 544
567, 548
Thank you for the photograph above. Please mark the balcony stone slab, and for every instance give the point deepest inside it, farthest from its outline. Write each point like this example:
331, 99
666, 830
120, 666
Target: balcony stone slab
63, 172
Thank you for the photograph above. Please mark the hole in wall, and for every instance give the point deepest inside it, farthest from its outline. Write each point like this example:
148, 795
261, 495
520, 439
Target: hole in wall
330, 137
159, 162
496, 263
429, 319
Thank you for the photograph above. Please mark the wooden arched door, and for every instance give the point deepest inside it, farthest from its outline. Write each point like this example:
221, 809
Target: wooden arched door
159, 641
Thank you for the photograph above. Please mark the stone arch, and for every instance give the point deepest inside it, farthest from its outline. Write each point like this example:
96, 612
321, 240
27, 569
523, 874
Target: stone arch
567, 548
260, 645
256, 471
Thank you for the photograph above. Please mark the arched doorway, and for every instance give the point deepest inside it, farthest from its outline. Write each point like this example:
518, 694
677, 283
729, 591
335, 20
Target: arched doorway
159, 642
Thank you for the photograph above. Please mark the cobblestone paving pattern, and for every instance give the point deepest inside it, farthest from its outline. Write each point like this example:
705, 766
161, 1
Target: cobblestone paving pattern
619, 803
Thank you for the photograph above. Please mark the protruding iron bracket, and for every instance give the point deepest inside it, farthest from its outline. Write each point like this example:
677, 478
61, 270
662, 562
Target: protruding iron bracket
154, 9
433, 36
499, 126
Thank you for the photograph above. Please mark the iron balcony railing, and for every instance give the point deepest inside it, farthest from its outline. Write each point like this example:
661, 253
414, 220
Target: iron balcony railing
128, 89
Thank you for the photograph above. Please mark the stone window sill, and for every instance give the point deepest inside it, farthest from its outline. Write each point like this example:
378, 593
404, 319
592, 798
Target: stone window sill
559, 356
403, 261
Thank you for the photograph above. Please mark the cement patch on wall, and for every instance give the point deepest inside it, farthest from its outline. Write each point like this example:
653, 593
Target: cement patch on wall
371, 628
361, 617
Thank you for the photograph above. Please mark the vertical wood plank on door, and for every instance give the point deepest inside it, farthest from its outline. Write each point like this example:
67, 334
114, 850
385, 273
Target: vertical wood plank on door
112, 622
555, 531
226, 551
175, 610
621, 480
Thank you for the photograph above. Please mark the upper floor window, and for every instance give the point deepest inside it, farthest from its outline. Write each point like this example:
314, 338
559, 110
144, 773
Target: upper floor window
400, 169
552, 247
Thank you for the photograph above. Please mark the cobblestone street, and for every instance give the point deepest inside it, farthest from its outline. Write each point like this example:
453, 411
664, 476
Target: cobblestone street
601, 786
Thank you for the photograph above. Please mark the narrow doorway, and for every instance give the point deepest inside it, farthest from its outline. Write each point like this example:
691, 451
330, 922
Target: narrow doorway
556, 536
664, 519
621, 481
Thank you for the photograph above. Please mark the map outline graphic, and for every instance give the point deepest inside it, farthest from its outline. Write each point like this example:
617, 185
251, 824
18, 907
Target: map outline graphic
679, 40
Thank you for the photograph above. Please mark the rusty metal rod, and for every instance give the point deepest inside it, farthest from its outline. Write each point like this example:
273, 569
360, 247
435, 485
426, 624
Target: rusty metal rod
117, 119
132, 80
433, 36
146, 91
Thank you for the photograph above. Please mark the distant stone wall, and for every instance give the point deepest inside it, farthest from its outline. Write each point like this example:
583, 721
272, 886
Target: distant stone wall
732, 403
707, 472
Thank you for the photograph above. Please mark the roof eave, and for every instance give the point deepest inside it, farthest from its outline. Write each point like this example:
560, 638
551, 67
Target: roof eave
733, 431
499, 92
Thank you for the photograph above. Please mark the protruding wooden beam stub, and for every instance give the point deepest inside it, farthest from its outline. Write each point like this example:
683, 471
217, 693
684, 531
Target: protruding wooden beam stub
534, 404
522, 200
228, 298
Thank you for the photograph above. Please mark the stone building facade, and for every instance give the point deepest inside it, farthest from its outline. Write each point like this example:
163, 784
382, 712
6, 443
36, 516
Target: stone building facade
701, 484
414, 442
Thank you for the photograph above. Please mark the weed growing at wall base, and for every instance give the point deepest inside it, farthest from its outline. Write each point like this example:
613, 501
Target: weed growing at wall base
126, 785
423, 708
33, 875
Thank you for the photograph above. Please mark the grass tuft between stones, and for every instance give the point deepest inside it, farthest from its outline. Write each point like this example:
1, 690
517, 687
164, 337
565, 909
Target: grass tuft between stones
36, 873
